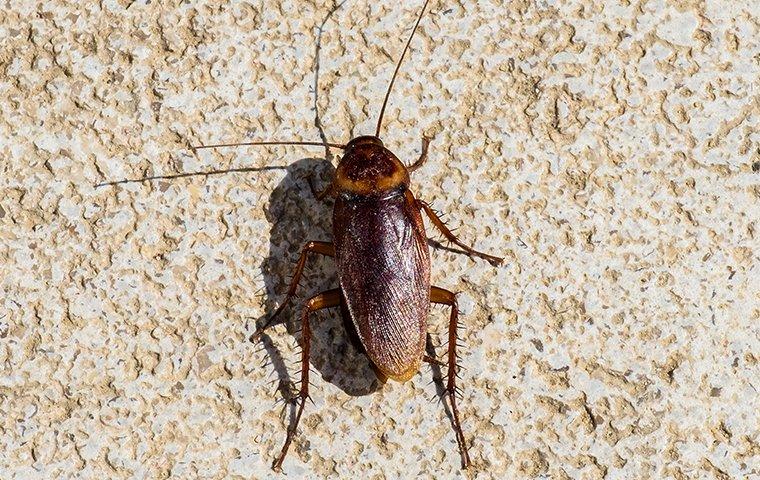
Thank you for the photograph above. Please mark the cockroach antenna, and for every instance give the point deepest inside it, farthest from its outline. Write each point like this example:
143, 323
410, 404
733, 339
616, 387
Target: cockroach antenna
244, 144
398, 66
208, 173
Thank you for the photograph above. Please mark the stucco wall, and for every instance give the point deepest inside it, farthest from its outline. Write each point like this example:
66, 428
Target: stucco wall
609, 150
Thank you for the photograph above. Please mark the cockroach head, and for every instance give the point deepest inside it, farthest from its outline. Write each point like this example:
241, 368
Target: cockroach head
369, 169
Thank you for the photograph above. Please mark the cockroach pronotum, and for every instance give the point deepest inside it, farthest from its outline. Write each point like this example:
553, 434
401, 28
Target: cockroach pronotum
383, 263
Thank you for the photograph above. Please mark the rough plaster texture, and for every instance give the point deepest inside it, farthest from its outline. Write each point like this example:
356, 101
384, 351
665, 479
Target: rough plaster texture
608, 150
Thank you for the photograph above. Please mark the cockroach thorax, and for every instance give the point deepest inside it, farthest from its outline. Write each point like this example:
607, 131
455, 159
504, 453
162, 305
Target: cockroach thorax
369, 169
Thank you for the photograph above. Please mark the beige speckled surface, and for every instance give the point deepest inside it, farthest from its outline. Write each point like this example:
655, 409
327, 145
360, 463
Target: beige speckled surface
605, 149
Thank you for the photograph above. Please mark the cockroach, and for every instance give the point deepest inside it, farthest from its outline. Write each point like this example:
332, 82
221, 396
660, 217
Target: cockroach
381, 251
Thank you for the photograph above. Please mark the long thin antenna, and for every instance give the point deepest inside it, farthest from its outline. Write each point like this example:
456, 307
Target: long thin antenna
398, 65
220, 145
218, 172
206, 173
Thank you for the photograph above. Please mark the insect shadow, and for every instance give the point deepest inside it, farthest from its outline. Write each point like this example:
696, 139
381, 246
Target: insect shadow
297, 217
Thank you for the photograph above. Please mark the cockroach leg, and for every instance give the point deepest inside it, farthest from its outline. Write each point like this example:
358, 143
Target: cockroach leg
328, 299
495, 261
445, 297
423, 156
323, 248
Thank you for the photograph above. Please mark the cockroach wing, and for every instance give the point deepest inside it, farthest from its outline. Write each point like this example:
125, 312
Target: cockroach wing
384, 271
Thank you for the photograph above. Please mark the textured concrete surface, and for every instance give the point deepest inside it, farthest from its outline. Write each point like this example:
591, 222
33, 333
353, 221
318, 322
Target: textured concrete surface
609, 150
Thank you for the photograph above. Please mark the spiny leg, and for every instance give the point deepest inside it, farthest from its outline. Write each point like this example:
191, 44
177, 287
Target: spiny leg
323, 248
495, 261
328, 299
423, 156
445, 297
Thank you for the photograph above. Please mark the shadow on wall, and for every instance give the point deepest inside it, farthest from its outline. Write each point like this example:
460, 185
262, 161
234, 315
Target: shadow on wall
297, 217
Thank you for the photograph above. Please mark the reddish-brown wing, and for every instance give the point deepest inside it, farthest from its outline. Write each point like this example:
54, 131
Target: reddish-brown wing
384, 271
